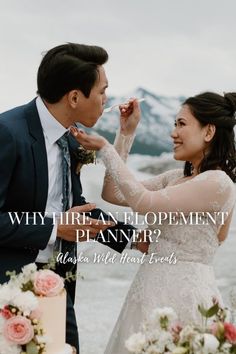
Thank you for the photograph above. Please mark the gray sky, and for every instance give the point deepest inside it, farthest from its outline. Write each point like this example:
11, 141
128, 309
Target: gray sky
170, 47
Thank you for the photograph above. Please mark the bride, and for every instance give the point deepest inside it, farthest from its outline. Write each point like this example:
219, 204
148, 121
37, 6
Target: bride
203, 137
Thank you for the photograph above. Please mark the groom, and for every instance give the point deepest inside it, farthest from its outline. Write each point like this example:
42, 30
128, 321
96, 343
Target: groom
38, 164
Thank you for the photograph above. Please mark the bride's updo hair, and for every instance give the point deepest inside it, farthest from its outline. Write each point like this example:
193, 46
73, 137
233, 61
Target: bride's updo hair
212, 108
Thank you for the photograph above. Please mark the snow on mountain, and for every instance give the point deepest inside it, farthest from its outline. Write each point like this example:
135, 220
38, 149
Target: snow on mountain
153, 133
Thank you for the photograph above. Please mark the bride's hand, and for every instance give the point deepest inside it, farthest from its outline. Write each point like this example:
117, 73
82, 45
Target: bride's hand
89, 142
129, 116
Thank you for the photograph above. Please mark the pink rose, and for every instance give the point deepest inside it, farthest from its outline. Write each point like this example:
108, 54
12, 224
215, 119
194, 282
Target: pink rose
6, 312
230, 332
19, 330
48, 283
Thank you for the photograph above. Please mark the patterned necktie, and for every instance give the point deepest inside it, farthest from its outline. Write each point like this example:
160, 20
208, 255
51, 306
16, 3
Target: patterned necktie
63, 245
63, 145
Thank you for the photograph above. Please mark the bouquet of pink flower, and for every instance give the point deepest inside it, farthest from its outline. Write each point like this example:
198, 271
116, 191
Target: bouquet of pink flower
20, 328
164, 334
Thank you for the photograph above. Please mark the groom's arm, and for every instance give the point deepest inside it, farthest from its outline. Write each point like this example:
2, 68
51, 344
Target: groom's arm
116, 237
122, 232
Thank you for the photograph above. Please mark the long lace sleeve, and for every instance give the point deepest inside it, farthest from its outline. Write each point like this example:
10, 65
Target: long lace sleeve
208, 192
111, 191
123, 144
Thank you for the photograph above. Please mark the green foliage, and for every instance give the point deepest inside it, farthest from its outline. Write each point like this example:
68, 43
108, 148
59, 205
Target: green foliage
31, 348
70, 276
28, 286
51, 262
11, 274
207, 313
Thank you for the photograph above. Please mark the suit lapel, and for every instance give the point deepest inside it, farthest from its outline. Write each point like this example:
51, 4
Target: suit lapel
40, 160
39, 155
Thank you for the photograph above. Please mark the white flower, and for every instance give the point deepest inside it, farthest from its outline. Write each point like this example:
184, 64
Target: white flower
160, 313
7, 294
165, 341
152, 349
26, 301
225, 347
179, 350
197, 343
27, 274
10, 295
187, 334
152, 335
211, 343
205, 343
29, 269
136, 342
8, 348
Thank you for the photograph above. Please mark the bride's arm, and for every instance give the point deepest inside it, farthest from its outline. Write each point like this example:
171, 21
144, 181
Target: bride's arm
129, 119
111, 191
207, 192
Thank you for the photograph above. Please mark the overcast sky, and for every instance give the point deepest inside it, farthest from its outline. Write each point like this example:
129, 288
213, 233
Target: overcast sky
170, 47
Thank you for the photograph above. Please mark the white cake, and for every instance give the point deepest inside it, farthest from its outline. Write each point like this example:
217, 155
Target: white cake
53, 321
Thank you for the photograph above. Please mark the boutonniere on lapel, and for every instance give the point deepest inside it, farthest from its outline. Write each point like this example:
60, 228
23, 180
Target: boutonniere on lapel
84, 157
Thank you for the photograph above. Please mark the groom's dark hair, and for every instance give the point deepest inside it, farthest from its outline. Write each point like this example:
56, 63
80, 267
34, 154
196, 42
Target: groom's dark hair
68, 67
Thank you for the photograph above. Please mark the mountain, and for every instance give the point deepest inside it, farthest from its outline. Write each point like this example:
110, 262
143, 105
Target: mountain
153, 133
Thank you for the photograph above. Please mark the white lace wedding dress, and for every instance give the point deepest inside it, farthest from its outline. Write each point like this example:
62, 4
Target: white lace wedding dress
191, 280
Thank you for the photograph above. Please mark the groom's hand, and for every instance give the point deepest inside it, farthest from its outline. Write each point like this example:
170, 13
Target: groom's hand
74, 223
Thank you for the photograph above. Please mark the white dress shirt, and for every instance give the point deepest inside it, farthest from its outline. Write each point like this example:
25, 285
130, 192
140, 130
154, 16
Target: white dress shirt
52, 131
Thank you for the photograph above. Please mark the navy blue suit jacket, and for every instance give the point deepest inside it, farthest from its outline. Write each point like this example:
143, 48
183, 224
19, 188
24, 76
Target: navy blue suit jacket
24, 188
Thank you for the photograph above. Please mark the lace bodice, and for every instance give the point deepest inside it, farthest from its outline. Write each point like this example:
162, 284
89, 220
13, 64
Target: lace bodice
209, 192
